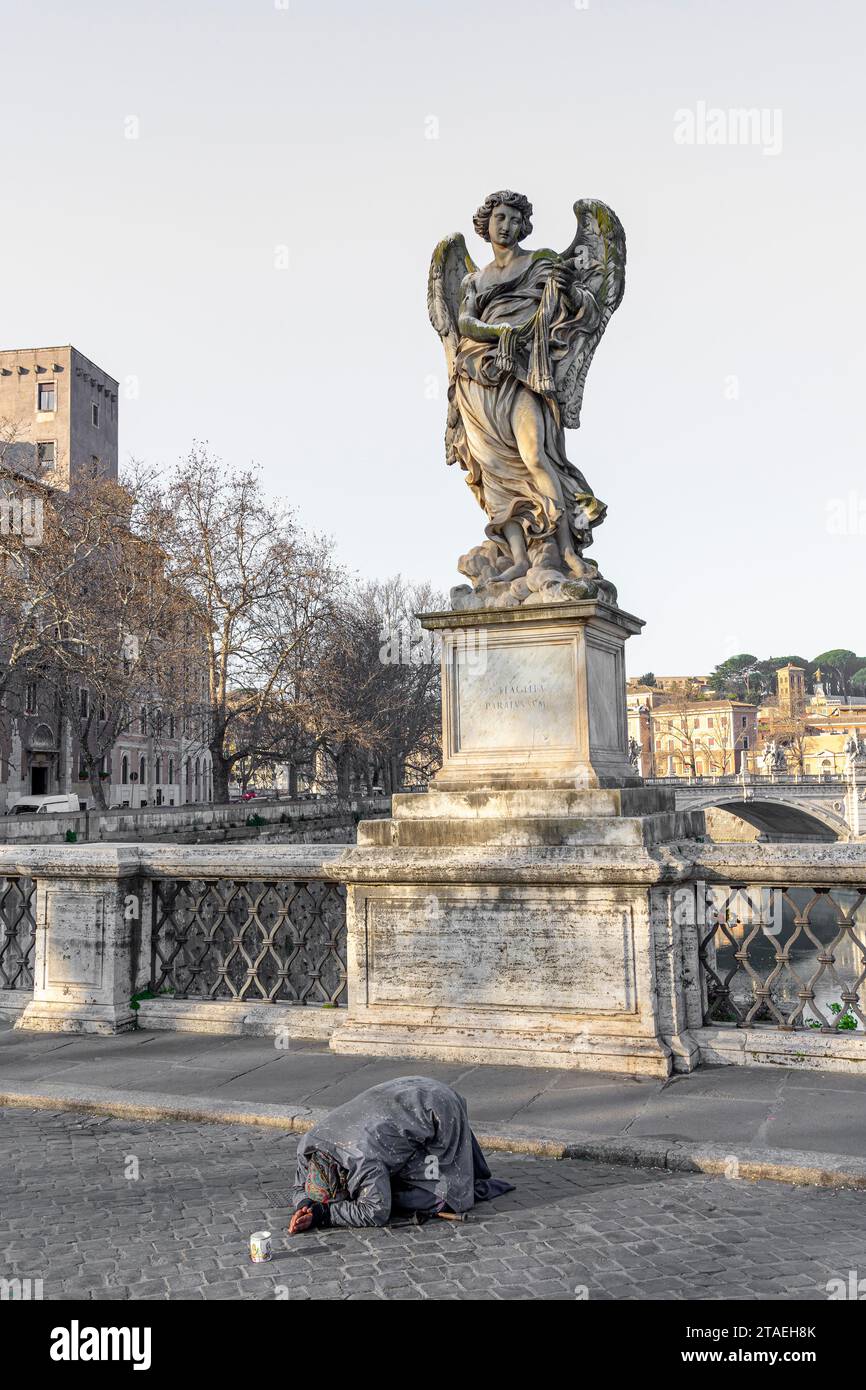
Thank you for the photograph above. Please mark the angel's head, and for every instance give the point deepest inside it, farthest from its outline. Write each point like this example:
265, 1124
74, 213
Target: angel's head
504, 217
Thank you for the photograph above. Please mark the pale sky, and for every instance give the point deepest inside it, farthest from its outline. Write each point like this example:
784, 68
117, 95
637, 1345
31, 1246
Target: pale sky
723, 420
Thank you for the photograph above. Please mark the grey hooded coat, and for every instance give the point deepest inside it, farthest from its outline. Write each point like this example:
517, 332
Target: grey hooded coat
406, 1145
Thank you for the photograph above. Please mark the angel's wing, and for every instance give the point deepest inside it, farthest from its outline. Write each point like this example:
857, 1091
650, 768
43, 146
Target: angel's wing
450, 264
597, 253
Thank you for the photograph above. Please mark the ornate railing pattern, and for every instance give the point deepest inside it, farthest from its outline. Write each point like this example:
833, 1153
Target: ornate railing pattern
17, 932
790, 958
260, 941
751, 779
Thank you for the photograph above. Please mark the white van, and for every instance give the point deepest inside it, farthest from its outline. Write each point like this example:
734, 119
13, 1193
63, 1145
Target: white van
61, 803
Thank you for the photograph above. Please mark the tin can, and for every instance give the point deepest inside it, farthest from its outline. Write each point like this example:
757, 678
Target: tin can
260, 1247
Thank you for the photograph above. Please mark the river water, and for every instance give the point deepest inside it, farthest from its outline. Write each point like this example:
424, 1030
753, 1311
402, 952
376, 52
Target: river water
835, 926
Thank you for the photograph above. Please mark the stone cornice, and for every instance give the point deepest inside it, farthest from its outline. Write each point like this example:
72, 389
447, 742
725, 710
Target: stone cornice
829, 865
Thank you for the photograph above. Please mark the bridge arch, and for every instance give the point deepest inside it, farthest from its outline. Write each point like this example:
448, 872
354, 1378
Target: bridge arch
787, 819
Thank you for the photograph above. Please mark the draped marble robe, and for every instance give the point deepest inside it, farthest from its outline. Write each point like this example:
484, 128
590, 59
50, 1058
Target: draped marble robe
385, 1139
487, 378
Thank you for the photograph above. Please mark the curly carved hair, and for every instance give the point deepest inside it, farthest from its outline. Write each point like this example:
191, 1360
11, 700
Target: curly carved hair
481, 220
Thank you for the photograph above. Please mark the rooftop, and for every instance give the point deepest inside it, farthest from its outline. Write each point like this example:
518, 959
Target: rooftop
59, 347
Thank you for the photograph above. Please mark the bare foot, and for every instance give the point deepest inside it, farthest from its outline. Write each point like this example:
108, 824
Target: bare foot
572, 561
516, 571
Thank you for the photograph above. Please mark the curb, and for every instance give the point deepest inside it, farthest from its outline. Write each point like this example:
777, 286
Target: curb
800, 1168
152, 1105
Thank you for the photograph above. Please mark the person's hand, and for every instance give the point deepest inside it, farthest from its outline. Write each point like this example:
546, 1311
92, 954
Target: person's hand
512, 331
561, 276
301, 1220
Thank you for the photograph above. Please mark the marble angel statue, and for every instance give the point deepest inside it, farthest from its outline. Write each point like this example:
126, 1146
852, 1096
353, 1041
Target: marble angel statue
519, 335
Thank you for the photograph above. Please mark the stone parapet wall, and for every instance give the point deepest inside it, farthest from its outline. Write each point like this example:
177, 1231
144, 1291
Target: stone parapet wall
529, 954
323, 818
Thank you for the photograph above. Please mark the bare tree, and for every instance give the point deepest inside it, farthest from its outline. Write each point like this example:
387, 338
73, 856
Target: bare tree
677, 717
201, 599
12, 434
265, 592
378, 713
112, 629
27, 577
790, 732
717, 746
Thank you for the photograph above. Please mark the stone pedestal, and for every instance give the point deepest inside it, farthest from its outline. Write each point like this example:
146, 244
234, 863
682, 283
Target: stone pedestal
521, 911
88, 946
534, 696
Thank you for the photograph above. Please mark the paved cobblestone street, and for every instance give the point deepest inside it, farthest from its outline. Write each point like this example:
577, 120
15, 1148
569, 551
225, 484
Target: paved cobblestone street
70, 1215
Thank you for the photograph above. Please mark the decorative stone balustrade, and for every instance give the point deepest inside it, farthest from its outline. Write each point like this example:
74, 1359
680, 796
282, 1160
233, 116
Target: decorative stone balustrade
645, 979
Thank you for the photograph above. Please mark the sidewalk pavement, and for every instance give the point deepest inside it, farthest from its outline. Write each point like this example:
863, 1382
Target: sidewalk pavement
793, 1125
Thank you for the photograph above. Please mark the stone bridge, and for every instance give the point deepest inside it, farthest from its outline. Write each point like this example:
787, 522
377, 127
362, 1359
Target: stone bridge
781, 806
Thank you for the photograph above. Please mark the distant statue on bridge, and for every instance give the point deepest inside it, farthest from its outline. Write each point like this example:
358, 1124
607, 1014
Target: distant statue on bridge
854, 748
634, 753
773, 758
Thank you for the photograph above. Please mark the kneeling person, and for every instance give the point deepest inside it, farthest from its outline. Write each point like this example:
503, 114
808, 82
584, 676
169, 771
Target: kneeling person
403, 1146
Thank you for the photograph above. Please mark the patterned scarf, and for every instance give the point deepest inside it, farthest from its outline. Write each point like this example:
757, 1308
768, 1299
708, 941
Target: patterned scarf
326, 1181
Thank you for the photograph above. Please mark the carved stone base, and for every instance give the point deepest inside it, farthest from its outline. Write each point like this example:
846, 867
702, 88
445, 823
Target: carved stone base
546, 581
605, 818
245, 1019
534, 696
501, 1046
531, 957
521, 910
533, 927
44, 1016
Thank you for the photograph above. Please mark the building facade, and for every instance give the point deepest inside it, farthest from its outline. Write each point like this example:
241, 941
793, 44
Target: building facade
59, 422
812, 733
678, 737
158, 760
59, 415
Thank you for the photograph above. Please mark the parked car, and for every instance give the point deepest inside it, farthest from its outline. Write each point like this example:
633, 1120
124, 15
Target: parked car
60, 803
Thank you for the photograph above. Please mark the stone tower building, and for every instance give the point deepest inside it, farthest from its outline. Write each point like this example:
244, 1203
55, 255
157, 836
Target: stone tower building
791, 687
58, 415
59, 423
